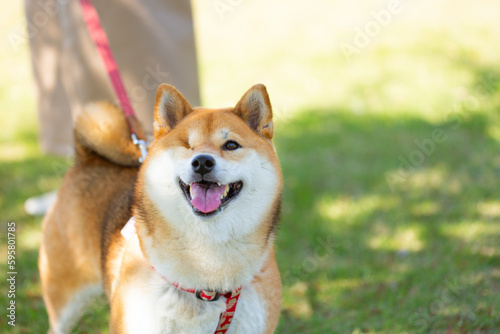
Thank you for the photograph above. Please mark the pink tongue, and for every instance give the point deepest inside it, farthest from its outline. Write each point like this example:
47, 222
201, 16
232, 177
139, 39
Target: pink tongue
206, 198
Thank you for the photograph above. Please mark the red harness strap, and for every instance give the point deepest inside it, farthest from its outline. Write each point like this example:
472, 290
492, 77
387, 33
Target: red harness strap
100, 39
232, 300
226, 317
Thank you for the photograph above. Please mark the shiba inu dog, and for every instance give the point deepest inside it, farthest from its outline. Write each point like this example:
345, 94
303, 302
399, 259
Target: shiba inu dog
206, 204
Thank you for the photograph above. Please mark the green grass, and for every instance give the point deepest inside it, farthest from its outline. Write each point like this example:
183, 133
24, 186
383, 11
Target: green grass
420, 258
370, 242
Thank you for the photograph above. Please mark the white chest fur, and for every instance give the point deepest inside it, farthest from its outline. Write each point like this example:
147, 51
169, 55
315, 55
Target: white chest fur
158, 307
152, 305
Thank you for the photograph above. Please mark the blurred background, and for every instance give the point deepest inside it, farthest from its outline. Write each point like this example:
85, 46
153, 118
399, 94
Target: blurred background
388, 129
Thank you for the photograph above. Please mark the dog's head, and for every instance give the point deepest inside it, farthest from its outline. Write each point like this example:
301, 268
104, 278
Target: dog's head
211, 183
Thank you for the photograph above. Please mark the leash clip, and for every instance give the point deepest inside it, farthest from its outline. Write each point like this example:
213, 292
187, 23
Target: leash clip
143, 146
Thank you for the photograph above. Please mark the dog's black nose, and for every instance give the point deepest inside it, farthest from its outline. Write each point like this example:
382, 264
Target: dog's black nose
203, 164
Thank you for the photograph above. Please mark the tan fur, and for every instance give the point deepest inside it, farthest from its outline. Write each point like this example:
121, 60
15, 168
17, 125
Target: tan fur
82, 245
101, 128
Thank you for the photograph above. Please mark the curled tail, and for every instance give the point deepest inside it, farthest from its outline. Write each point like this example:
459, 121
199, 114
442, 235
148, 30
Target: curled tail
101, 128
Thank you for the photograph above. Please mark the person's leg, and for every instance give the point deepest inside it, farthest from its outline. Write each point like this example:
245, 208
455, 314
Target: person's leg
54, 112
152, 41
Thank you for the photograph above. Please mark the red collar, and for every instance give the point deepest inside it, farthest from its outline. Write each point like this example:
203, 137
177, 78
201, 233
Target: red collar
232, 297
206, 295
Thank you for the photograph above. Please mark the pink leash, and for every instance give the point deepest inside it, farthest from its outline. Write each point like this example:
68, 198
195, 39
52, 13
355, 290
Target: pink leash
100, 39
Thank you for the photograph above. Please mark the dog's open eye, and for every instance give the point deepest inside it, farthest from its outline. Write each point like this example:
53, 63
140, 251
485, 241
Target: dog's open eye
231, 145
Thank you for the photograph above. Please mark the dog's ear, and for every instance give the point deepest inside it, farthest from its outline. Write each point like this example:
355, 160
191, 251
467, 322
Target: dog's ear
255, 109
170, 108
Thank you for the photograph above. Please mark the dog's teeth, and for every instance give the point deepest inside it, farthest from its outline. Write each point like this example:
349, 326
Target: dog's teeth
218, 184
226, 190
191, 191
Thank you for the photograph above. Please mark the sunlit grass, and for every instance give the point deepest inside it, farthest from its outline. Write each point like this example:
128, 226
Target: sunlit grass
393, 248
489, 209
347, 210
470, 231
401, 239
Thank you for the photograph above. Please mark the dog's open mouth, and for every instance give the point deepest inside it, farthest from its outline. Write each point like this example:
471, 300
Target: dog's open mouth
207, 198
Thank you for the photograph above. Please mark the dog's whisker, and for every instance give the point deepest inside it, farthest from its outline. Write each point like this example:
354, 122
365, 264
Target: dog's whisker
270, 170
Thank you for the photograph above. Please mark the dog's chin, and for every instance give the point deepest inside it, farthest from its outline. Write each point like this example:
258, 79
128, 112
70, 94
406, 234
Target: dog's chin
230, 194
